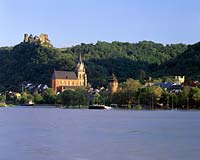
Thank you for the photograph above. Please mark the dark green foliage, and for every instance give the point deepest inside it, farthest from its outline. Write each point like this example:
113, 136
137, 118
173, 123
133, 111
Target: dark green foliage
76, 97
24, 98
186, 64
32, 62
126, 60
38, 99
155, 97
2, 98
49, 96
127, 93
67, 97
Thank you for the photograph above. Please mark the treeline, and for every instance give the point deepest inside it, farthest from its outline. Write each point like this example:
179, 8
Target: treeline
186, 63
69, 98
31, 62
34, 63
131, 94
126, 60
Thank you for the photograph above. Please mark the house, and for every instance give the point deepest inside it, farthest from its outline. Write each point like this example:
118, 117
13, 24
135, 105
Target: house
164, 85
175, 88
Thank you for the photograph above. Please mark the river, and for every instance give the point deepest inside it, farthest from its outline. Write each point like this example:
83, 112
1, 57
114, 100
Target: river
72, 134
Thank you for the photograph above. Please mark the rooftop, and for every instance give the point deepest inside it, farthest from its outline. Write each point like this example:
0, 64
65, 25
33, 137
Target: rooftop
64, 75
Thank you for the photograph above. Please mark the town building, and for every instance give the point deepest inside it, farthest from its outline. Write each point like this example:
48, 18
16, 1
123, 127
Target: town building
113, 84
62, 80
179, 80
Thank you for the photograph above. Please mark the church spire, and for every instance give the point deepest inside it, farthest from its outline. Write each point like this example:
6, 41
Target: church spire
79, 58
80, 64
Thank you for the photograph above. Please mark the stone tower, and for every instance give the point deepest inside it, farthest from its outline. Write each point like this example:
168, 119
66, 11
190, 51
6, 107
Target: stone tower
25, 37
113, 84
42, 39
80, 72
179, 79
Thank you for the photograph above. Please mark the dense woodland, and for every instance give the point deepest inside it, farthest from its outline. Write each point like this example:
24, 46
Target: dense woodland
35, 63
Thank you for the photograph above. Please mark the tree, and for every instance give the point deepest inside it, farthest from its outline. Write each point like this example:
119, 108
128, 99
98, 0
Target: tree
153, 95
67, 97
105, 97
49, 96
164, 99
142, 75
184, 97
2, 98
96, 98
76, 97
80, 97
130, 84
24, 98
195, 93
38, 98
127, 93
35, 63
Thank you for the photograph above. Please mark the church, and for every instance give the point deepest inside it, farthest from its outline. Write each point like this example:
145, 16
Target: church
62, 80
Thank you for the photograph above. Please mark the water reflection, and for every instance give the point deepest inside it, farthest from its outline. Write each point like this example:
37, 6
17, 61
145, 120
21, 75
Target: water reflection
58, 134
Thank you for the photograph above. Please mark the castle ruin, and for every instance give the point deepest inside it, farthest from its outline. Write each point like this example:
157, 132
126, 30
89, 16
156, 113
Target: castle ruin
42, 39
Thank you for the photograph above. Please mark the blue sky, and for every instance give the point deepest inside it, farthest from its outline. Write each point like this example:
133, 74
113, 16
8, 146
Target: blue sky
71, 22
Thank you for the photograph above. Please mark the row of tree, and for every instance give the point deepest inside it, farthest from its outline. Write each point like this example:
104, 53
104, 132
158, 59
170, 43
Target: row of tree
131, 94
35, 63
78, 97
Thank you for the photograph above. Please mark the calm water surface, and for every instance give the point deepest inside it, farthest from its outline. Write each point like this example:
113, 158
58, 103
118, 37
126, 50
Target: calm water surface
59, 134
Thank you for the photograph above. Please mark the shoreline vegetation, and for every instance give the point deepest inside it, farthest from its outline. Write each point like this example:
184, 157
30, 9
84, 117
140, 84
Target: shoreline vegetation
35, 63
86, 107
133, 65
3, 104
131, 94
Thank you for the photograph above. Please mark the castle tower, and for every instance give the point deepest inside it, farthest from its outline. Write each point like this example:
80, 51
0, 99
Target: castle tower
80, 72
25, 38
179, 79
44, 38
113, 84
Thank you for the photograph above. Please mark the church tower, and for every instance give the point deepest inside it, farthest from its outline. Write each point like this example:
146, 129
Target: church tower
80, 72
113, 84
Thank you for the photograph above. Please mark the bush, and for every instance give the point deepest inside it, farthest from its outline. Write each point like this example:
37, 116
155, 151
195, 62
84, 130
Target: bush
2, 98
38, 98
139, 107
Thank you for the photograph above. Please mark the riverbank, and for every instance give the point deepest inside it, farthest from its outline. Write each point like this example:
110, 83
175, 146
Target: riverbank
86, 107
2, 104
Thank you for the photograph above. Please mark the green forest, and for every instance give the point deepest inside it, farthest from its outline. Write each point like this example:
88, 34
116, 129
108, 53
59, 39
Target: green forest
35, 63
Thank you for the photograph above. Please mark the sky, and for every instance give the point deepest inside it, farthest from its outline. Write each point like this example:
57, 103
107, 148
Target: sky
71, 22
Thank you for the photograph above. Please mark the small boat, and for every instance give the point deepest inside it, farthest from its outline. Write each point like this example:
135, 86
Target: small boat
97, 106
30, 103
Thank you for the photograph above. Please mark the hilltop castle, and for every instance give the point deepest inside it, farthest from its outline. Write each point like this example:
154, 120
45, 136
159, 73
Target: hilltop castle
62, 80
42, 39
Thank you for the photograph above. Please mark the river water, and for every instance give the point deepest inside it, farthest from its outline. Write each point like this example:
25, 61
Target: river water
64, 134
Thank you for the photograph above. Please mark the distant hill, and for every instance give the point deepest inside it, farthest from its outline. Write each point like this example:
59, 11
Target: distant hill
187, 63
31, 62
35, 63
